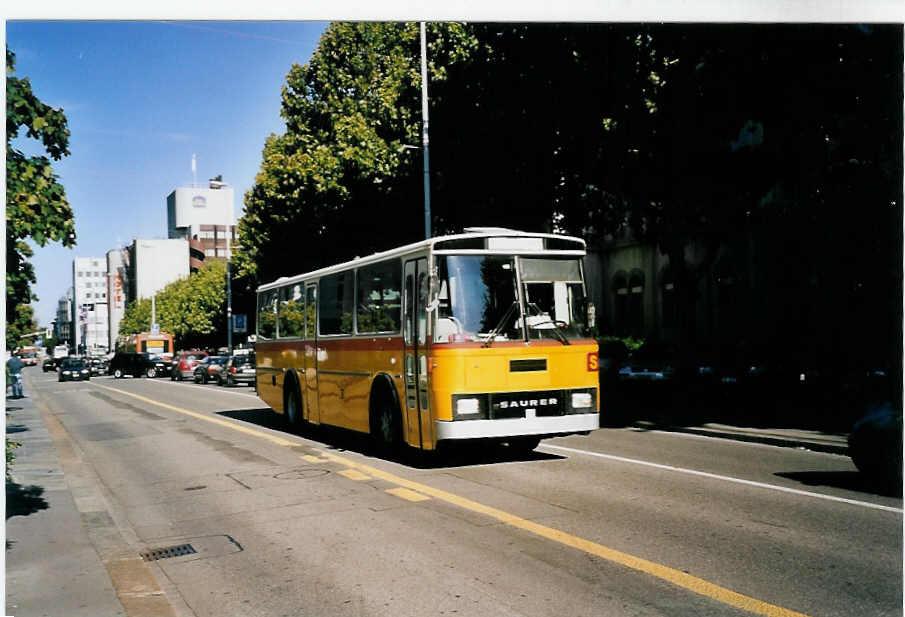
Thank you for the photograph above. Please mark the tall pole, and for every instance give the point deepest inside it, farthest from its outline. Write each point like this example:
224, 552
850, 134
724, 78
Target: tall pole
229, 295
424, 138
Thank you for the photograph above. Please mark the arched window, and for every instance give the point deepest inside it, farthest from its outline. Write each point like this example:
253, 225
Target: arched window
620, 299
668, 302
636, 302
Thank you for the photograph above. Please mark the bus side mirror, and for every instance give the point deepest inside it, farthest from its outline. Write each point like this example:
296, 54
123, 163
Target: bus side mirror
433, 290
592, 315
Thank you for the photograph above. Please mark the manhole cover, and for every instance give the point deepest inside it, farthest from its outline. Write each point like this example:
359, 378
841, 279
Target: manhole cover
170, 551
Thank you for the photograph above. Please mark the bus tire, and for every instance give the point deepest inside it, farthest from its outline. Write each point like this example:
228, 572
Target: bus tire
386, 424
292, 405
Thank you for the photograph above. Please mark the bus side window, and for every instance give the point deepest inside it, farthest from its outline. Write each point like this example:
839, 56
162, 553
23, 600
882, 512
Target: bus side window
267, 319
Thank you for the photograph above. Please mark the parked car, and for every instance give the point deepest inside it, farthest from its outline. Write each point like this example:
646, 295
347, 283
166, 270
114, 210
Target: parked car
875, 445
652, 362
98, 366
50, 364
208, 369
185, 363
163, 365
132, 363
239, 369
74, 369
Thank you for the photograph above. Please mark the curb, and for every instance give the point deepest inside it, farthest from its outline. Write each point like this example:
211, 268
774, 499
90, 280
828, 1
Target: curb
773, 440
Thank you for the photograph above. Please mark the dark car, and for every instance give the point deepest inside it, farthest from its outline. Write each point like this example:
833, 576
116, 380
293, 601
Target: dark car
74, 369
98, 366
50, 364
132, 363
239, 369
163, 365
875, 445
209, 369
185, 363
652, 362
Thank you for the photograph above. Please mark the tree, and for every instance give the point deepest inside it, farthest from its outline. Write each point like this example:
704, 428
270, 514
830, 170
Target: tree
192, 309
36, 205
336, 183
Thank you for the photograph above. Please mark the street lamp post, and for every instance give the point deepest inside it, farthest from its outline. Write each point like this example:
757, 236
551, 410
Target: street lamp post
424, 134
217, 183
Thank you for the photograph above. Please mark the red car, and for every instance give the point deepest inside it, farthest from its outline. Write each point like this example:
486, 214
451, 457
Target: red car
184, 366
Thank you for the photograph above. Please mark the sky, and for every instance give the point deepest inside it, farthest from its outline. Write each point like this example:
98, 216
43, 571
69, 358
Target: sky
141, 98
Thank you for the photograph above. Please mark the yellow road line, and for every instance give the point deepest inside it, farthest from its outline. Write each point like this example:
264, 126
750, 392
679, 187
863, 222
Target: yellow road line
405, 493
676, 577
314, 459
352, 474
244, 429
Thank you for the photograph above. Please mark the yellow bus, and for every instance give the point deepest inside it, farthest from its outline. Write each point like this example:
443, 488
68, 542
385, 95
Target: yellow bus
148, 342
476, 336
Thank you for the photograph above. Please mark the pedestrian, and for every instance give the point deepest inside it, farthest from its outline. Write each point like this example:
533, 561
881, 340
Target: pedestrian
14, 364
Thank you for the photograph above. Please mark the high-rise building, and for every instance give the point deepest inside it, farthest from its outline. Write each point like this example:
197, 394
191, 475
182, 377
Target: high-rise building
117, 282
89, 304
203, 216
152, 264
63, 323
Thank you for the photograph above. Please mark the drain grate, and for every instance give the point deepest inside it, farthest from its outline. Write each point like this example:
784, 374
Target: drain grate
170, 551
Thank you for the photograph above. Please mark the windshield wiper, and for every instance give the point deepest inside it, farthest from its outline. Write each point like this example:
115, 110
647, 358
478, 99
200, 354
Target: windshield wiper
499, 327
556, 325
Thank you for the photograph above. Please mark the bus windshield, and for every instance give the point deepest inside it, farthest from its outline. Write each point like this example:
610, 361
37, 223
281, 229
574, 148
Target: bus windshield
478, 299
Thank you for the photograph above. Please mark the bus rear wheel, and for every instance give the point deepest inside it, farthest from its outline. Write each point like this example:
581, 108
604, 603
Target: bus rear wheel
293, 408
386, 430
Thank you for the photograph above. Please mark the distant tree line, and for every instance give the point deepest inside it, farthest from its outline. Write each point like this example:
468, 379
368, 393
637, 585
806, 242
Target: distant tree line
677, 134
192, 309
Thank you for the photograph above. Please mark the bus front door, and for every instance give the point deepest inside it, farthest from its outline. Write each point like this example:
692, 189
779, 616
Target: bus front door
417, 401
311, 405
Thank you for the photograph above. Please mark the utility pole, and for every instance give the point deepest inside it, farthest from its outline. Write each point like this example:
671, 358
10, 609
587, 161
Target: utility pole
424, 137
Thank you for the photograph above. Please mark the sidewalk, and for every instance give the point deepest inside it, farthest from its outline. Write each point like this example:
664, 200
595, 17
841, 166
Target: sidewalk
52, 567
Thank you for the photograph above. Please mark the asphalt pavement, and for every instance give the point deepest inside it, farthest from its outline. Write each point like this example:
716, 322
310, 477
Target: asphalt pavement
64, 549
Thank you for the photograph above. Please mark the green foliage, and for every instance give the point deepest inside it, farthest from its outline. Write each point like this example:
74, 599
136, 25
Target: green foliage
36, 205
192, 309
10, 455
340, 168
631, 343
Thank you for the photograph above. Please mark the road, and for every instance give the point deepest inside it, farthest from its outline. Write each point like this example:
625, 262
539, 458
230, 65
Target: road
620, 522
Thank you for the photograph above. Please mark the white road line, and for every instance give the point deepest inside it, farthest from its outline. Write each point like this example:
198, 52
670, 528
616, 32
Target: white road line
713, 476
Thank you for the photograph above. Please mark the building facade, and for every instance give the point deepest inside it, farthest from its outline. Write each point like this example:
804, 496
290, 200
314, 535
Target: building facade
116, 294
89, 305
152, 264
203, 216
63, 322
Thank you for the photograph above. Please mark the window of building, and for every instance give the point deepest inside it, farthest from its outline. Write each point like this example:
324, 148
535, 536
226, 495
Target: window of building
337, 299
291, 312
668, 301
636, 302
81, 274
620, 302
380, 297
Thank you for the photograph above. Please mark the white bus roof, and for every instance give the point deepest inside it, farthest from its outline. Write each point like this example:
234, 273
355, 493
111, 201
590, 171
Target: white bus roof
470, 233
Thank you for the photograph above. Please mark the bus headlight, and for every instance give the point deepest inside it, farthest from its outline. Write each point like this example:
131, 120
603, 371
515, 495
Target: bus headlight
582, 400
468, 407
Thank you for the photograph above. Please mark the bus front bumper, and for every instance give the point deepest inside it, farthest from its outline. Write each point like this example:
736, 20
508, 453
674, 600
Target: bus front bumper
515, 427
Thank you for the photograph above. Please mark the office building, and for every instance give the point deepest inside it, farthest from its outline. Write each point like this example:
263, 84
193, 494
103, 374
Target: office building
152, 264
63, 322
117, 281
203, 216
89, 304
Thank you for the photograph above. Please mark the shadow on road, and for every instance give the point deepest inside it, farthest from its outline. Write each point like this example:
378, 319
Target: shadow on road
24, 500
848, 480
342, 440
